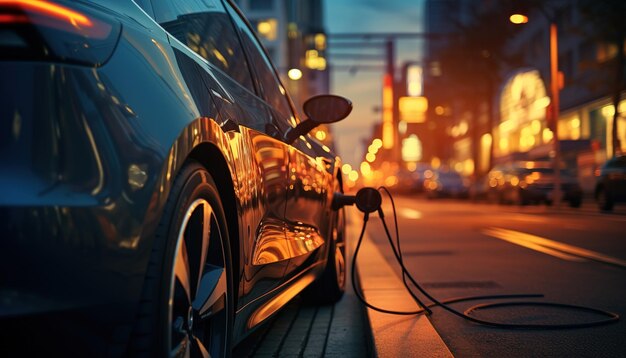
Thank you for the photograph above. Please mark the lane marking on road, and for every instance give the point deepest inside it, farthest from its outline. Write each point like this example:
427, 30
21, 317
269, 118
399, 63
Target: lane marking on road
550, 247
514, 237
409, 213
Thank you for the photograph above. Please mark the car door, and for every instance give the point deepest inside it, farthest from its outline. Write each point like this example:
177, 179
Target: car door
304, 221
260, 160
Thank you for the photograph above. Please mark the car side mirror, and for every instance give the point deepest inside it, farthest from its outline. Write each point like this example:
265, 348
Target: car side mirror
322, 109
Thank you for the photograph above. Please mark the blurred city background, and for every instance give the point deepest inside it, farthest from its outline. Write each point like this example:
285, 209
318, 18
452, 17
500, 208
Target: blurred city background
458, 86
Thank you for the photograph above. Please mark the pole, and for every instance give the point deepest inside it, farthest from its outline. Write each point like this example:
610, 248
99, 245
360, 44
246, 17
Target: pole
554, 85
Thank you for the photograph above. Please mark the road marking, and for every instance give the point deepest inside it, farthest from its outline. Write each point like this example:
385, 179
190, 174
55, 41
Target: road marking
514, 238
408, 213
550, 247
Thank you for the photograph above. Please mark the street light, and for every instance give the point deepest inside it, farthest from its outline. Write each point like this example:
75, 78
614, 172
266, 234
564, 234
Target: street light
554, 105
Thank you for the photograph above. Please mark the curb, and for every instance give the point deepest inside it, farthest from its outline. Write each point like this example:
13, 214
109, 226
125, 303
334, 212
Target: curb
392, 335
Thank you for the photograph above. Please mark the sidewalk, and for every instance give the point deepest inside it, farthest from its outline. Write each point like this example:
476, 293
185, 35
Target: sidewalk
348, 329
393, 335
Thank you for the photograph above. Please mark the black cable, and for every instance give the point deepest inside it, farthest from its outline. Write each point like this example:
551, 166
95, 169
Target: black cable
611, 317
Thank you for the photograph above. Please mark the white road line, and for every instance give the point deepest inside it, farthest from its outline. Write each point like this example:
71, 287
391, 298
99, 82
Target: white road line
515, 239
550, 247
408, 213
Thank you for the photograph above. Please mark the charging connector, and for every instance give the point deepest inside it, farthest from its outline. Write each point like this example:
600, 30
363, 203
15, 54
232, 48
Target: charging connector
366, 199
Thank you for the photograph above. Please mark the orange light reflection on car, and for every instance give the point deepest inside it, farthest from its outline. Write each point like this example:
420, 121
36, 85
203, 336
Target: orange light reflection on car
50, 9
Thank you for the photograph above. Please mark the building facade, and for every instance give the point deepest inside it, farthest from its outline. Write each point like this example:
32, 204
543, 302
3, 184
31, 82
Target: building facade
587, 76
292, 31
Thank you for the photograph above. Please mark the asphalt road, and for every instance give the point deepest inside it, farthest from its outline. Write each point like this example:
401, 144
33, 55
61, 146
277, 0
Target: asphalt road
572, 256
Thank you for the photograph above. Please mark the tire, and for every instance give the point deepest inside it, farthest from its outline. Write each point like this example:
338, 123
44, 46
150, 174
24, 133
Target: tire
330, 286
187, 306
604, 200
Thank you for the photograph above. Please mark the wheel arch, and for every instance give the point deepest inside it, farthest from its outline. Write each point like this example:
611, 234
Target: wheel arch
212, 159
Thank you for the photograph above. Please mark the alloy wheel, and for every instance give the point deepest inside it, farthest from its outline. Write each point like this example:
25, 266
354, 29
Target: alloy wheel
198, 315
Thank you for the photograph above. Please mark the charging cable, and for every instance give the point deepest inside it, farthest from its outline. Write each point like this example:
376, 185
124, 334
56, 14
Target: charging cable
369, 200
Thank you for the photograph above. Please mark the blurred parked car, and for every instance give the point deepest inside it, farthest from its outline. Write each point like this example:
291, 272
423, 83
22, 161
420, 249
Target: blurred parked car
159, 194
407, 182
479, 189
530, 183
611, 184
442, 184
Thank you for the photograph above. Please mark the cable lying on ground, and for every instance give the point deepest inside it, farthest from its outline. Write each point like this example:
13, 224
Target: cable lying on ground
370, 203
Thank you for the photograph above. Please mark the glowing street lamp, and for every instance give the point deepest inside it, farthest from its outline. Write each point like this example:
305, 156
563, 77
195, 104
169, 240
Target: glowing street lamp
554, 104
294, 74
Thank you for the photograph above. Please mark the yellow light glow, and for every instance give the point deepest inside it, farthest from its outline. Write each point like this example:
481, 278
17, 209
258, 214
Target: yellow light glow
377, 142
412, 166
504, 144
294, 74
575, 123
388, 135
463, 127
514, 181
354, 175
388, 130
391, 180
535, 126
413, 109
468, 167
267, 29
608, 111
346, 168
411, 149
366, 169
314, 61
320, 135
435, 162
264, 27
542, 102
486, 140
414, 80
518, 19
547, 135
320, 41
370, 157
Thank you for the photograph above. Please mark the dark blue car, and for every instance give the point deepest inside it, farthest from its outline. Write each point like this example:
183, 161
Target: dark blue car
159, 195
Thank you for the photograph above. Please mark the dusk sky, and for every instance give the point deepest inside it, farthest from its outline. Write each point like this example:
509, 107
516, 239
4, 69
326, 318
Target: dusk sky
364, 87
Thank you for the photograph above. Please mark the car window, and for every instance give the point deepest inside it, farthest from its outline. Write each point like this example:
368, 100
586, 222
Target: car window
271, 89
204, 26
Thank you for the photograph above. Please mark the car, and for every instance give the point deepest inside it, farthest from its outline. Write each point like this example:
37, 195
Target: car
611, 184
532, 182
479, 189
159, 194
445, 183
407, 182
